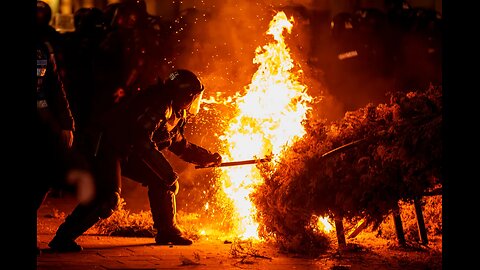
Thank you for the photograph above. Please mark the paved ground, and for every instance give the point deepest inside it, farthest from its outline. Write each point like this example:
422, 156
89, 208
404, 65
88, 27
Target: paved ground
105, 252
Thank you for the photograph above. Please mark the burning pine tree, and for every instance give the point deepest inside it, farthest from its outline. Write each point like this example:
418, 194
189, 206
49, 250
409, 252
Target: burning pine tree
398, 157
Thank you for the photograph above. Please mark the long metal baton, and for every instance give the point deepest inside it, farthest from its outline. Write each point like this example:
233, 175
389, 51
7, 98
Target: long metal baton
236, 163
253, 161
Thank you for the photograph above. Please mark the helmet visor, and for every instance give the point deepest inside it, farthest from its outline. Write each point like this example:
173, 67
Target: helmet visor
195, 106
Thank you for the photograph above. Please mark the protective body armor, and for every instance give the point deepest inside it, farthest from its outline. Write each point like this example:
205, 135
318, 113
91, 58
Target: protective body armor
128, 141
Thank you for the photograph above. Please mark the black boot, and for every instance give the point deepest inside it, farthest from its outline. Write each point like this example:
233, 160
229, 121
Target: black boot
163, 207
59, 244
79, 221
172, 236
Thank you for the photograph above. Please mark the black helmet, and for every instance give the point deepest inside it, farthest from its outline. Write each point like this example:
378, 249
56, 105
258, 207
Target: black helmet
88, 20
185, 88
44, 13
79, 16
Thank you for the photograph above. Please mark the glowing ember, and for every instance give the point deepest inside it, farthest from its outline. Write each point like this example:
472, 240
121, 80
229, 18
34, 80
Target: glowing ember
323, 224
269, 118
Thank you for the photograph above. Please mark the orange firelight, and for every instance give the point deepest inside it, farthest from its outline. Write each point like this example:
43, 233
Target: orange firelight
268, 119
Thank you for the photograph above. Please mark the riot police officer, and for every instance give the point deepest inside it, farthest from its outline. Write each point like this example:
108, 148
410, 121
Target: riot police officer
80, 48
128, 141
123, 62
54, 123
420, 61
343, 59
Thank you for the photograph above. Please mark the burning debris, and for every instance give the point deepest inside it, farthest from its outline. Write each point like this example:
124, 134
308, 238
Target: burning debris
124, 223
56, 214
186, 261
399, 159
246, 252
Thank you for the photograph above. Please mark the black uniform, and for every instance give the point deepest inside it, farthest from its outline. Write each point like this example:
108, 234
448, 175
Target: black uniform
128, 141
80, 48
420, 56
53, 117
123, 63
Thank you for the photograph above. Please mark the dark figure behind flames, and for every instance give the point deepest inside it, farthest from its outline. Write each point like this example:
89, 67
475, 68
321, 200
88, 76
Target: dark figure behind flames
361, 62
80, 49
124, 63
420, 60
54, 123
128, 141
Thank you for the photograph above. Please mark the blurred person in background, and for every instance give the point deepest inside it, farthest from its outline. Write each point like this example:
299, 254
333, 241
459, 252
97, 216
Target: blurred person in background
80, 49
123, 63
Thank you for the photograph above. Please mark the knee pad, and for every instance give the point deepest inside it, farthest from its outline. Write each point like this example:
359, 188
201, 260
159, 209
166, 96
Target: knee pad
108, 205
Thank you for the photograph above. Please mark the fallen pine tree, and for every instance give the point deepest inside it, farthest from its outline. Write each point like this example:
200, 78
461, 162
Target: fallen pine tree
396, 156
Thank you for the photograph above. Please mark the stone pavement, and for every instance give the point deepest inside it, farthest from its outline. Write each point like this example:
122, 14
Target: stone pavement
115, 253
139, 253
108, 252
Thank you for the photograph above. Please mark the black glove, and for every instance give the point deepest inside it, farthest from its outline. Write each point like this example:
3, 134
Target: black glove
212, 160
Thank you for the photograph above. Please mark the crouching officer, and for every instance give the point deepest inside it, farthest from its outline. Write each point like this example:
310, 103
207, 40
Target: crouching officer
128, 141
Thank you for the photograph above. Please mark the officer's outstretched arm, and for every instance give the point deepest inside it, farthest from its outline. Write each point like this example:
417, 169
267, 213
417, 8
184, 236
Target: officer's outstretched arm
193, 153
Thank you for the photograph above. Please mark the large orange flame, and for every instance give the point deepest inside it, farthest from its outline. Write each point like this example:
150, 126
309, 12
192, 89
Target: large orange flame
268, 119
